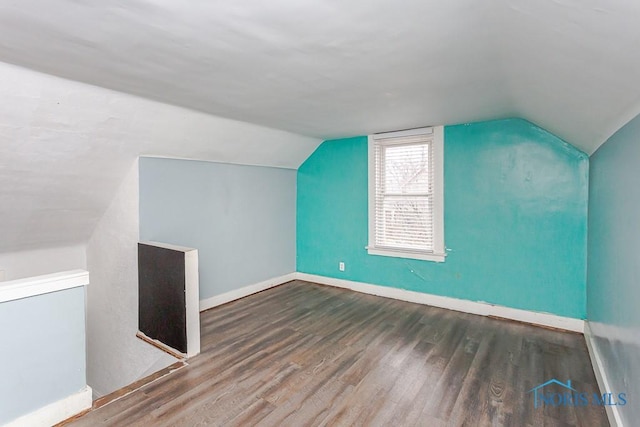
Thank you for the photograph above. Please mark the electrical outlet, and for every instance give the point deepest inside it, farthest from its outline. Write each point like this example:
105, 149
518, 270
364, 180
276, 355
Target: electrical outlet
341, 266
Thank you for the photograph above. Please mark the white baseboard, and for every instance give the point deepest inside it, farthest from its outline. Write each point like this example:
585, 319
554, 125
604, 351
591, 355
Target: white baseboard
55, 412
465, 306
601, 376
473, 307
217, 300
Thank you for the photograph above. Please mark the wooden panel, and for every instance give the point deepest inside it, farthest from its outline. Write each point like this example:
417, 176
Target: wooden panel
161, 302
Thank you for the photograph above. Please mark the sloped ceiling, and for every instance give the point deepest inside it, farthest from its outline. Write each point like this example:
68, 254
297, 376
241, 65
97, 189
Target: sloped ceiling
329, 68
65, 147
315, 69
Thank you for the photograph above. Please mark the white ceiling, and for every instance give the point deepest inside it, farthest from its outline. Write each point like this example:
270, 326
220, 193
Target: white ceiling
336, 68
65, 147
317, 69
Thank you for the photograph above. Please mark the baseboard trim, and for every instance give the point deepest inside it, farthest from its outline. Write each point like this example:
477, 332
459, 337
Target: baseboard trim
601, 376
217, 300
465, 306
136, 385
472, 307
56, 412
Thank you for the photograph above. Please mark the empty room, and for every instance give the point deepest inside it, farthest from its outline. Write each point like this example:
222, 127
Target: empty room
320, 213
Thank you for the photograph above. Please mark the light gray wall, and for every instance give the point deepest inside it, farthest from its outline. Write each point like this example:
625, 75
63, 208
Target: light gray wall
43, 351
613, 278
240, 218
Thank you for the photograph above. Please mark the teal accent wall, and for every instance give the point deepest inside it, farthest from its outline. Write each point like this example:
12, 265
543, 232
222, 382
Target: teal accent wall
613, 283
515, 219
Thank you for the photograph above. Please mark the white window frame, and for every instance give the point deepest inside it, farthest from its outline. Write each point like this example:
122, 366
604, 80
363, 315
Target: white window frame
437, 151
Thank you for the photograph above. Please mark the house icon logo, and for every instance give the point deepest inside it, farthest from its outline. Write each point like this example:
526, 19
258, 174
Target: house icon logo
558, 393
539, 397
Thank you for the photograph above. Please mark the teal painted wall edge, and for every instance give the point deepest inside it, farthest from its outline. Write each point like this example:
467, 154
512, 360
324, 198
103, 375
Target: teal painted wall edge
515, 219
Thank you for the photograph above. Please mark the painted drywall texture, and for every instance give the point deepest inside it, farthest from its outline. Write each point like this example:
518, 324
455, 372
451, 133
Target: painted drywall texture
18, 265
65, 147
115, 357
45, 358
270, 62
515, 219
613, 280
240, 218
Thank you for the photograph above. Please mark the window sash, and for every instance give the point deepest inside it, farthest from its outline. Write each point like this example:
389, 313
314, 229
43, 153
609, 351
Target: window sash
406, 202
404, 217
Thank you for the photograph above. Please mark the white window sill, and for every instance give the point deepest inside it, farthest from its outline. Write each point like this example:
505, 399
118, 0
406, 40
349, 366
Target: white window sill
406, 254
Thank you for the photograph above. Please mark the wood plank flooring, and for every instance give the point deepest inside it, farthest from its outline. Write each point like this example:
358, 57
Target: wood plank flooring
308, 355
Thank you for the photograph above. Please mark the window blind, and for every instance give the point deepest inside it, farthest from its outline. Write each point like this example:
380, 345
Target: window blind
404, 192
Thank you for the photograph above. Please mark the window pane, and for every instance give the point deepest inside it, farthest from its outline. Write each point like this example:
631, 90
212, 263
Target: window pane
406, 169
405, 222
405, 194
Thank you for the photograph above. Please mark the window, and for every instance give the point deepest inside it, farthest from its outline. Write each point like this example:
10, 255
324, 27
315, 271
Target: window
406, 200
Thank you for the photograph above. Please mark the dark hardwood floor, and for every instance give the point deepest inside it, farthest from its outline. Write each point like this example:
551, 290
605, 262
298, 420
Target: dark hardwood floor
304, 354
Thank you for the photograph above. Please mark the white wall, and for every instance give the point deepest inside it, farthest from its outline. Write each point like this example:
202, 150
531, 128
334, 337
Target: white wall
18, 265
115, 356
65, 147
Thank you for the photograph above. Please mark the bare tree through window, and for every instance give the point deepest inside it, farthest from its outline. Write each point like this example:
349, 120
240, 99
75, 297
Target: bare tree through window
404, 191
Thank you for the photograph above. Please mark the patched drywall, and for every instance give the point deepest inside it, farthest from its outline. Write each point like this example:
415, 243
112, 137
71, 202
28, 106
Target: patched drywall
242, 219
333, 68
18, 265
613, 280
65, 146
515, 219
115, 357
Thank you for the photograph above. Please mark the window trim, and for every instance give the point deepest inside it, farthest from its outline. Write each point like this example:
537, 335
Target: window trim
439, 253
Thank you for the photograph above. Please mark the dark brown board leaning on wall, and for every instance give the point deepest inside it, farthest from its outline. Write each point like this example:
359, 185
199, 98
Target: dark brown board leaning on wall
161, 300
